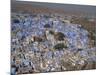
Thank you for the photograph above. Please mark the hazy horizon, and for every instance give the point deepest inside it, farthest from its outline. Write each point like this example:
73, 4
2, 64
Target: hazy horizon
66, 7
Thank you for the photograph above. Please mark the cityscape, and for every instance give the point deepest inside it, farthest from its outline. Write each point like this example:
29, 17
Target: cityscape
50, 37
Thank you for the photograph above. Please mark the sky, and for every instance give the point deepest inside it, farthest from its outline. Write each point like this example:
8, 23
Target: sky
83, 2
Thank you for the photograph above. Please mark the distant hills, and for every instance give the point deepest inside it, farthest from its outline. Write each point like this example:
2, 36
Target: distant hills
41, 7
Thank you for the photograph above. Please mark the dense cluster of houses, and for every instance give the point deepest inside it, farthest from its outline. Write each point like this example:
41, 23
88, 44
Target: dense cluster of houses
48, 43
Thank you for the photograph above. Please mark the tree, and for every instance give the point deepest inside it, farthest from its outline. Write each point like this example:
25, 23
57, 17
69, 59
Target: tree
59, 36
60, 46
